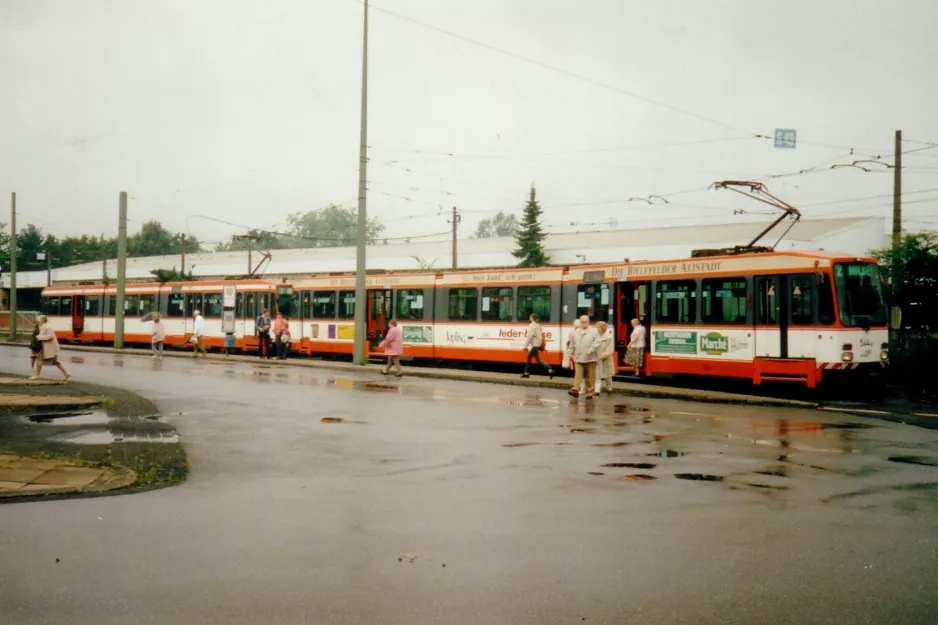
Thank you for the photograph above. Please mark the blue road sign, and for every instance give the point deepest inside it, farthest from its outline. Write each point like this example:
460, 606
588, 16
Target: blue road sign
785, 137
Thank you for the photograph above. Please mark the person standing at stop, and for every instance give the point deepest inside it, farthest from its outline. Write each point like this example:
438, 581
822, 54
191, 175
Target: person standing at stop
583, 353
279, 327
262, 325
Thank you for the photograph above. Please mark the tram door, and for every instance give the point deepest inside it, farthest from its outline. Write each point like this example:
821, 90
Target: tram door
379, 314
633, 303
78, 315
771, 316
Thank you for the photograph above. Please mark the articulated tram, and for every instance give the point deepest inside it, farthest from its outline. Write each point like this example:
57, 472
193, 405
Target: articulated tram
765, 316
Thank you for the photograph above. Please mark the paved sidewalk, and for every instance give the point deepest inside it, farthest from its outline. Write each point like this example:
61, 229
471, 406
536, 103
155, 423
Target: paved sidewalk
21, 475
621, 388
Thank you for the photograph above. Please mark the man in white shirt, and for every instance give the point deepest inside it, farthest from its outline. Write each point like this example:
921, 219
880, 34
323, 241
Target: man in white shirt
197, 341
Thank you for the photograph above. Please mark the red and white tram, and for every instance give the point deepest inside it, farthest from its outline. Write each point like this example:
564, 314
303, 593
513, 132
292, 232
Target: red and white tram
764, 316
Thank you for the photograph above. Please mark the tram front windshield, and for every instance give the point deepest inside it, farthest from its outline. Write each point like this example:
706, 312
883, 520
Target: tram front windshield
860, 294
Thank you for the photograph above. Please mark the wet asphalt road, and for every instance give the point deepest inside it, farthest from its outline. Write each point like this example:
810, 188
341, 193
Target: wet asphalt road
444, 502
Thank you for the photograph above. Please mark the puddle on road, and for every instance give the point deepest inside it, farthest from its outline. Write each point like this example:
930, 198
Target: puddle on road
637, 477
331, 420
631, 465
106, 437
71, 418
667, 453
615, 444
775, 471
595, 473
919, 460
846, 426
582, 430
699, 477
767, 486
621, 408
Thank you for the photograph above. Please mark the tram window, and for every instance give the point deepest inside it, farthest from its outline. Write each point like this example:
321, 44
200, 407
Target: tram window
324, 304
65, 307
767, 306
675, 302
593, 300
92, 306
131, 303
305, 304
534, 299
176, 305
239, 306
212, 305
346, 304
802, 296
463, 304
825, 300
49, 306
193, 303
409, 305
723, 300
262, 302
497, 303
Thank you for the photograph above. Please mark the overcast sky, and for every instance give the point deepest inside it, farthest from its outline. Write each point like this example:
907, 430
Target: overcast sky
247, 111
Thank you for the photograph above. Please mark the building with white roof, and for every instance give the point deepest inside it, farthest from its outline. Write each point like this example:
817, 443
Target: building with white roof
851, 235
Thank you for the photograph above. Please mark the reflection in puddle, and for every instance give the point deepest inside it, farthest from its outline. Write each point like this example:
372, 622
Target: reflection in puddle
71, 418
846, 426
106, 437
637, 477
331, 420
631, 465
518, 444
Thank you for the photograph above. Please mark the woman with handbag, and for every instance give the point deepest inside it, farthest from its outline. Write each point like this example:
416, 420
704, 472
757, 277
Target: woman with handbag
50, 348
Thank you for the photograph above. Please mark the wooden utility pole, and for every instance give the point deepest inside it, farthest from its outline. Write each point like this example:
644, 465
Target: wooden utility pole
121, 271
13, 251
897, 193
455, 221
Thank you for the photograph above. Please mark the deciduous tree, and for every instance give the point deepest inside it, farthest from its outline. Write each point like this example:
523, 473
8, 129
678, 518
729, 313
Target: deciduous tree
501, 225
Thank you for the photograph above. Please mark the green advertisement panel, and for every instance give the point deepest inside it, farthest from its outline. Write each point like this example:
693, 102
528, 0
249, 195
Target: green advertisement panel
675, 342
418, 334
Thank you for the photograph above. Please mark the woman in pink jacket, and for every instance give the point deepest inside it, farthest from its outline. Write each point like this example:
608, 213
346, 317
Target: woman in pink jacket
393, 345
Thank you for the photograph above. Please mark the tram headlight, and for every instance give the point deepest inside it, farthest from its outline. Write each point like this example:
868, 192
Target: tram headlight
847, 356
884, 355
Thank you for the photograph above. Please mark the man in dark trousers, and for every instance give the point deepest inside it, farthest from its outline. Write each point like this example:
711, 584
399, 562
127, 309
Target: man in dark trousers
262, 324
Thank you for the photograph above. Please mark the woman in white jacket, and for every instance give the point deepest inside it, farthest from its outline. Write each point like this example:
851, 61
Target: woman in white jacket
606, 365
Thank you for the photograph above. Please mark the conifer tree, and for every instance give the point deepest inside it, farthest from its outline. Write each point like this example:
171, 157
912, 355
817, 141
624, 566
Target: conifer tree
530, 237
